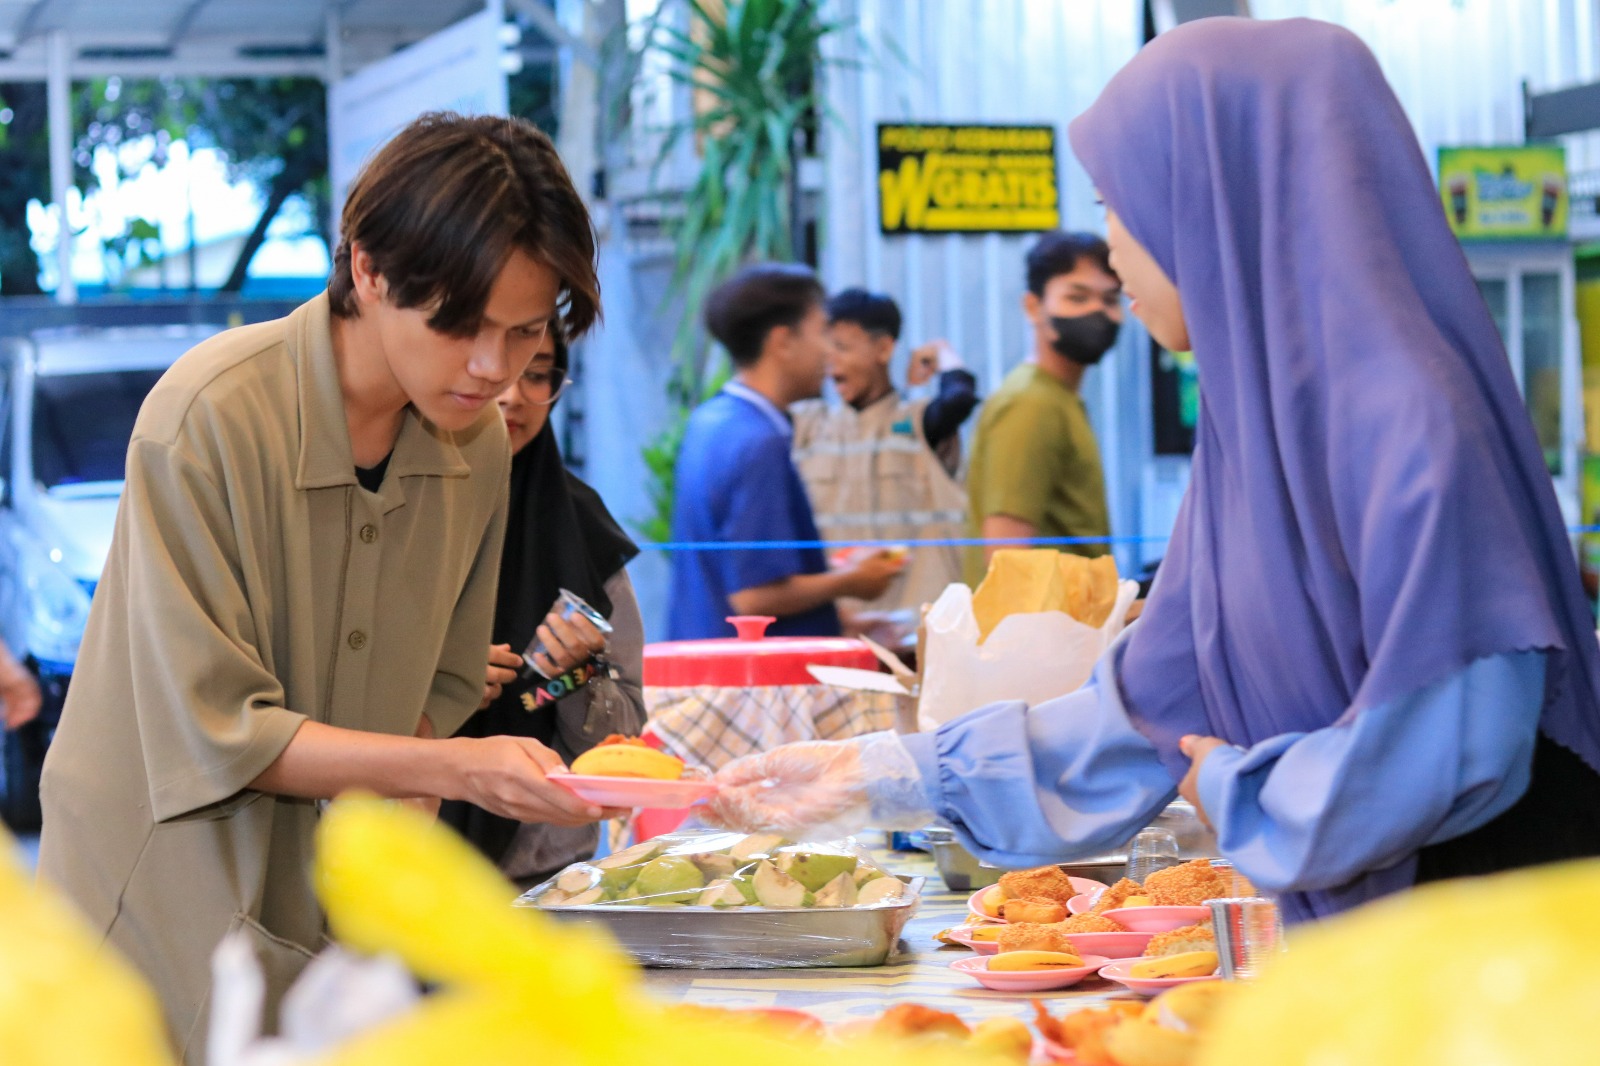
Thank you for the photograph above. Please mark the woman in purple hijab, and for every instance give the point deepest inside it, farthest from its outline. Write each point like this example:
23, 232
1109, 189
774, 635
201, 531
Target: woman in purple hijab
1367, 657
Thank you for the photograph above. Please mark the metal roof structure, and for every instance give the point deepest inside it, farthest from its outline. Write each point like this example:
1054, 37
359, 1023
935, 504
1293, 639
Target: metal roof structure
227, 38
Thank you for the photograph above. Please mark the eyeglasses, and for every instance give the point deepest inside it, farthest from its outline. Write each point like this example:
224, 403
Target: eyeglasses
543, 386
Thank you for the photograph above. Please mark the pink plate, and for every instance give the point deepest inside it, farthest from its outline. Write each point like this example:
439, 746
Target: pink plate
982, 947
1157, 919
1146, 986
634, 791
977, 968
1081, 903
972, 905
1111, 945
1082, 885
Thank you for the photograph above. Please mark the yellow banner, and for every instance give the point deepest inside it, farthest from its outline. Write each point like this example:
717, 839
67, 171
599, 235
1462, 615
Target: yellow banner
967, 179
1514, 193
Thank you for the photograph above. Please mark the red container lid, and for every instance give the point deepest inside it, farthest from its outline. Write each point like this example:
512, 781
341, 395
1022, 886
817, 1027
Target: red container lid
751, 658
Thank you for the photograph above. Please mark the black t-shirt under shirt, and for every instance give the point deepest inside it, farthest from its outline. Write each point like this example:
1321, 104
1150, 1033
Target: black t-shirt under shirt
371, 477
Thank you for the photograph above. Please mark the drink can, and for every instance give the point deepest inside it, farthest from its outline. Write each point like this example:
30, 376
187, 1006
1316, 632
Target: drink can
569, 604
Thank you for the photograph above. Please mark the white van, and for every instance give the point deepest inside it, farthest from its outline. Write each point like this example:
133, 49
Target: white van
68, 400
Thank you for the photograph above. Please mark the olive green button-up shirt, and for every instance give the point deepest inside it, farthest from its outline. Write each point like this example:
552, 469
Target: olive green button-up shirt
253, 584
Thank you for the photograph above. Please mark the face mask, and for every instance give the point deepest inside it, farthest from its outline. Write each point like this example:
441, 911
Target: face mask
1084, 339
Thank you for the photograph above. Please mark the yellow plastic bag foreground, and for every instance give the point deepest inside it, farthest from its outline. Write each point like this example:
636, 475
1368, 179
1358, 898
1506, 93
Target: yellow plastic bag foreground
1031, 580
1497, 970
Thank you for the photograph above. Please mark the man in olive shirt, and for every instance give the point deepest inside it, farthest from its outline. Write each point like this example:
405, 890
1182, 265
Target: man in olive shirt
1035, 462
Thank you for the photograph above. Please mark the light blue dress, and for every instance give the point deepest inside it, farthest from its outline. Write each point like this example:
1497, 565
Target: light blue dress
1298, 812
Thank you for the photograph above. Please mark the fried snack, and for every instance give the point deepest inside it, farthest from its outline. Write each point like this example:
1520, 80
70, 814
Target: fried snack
1089, 923
1137, 1042
1042, 882
1197, 937
1034, 938
913, 1019
1033, 909
1084, 1031
1188, 885
1113, 897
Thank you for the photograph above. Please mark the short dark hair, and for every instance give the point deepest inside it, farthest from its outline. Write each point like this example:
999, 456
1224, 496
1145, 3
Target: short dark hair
757, 300
442, 206
1059, 252
872, 311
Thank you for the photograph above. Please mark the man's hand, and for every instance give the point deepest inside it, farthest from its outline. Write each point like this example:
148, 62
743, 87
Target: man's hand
18, 691
931, 359
506, 776
1196, 748
503, 666
568, 643
871, 577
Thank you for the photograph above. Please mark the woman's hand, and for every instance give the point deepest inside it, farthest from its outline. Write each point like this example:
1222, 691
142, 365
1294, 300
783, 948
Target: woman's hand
19, 692
1196, 748
506, 776
567, 643
789, 790
503, 667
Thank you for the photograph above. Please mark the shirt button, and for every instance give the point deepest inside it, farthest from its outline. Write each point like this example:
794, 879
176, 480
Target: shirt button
369, 533
358, 639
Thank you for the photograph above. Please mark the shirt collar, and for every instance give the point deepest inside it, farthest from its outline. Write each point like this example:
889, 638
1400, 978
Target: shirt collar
773, 413
325, 455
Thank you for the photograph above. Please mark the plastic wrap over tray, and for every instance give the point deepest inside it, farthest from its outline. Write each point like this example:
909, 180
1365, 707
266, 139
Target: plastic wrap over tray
714, 900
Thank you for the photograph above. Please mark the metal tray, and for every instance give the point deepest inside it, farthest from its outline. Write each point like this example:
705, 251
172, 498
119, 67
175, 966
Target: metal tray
752, 938
963, 872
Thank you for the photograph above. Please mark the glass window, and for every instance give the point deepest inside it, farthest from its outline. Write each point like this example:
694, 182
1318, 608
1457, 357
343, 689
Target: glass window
82, 424
1497, 294
1541, 361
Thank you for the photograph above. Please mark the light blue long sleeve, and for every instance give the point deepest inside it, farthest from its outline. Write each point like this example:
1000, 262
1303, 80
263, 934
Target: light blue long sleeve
1306, 811
1072, 777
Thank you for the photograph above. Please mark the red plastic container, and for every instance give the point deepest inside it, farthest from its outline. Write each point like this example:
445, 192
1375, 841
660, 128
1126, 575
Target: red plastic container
750, 659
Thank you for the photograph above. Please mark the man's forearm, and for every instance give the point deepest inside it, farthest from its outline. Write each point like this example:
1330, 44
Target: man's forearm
1005, 527
795, 594
322, 761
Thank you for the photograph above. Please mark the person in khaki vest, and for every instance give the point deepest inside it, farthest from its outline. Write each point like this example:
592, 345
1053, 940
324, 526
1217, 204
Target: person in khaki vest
300, 587
880, 466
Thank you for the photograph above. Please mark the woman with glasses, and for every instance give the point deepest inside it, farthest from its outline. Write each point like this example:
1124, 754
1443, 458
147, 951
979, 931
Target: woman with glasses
559, 536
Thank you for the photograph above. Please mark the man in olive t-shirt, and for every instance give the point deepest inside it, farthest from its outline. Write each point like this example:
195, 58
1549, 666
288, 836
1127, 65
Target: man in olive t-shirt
1035, 468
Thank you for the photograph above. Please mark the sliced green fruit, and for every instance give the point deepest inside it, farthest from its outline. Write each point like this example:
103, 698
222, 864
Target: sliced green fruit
583, 899
840, 892
774, 888
634, 856
867, 872
721, 893
669, 879
756, 846
881, 890
815, 868
746, 885
715, 864
579, 877
619, 878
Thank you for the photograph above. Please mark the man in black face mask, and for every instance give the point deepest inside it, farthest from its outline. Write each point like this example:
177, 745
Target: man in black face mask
1035, 468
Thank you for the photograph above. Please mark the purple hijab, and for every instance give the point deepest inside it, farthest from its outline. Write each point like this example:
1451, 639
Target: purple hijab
1370, 510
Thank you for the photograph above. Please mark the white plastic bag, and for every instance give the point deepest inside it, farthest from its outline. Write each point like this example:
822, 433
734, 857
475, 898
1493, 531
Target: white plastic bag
1028, 657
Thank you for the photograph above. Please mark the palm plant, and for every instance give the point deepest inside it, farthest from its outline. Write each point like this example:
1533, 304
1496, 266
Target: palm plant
751, 67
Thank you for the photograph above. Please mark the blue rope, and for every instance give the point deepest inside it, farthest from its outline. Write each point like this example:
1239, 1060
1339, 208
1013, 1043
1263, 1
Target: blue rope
946, 542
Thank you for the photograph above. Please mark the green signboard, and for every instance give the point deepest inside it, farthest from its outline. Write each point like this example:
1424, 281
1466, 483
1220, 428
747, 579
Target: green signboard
1513, 193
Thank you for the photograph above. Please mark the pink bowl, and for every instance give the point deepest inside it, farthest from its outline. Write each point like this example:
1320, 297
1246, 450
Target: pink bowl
977, 968
1082, 885
1157, 919
1146, 986
1111, 945
972, 906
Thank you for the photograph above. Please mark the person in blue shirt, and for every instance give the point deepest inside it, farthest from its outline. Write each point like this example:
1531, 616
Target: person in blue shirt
735, 481
1367, 658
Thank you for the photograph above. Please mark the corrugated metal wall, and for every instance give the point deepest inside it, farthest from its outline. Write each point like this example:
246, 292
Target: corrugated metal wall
1025, 61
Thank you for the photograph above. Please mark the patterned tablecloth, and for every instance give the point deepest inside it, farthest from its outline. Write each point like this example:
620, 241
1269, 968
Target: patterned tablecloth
919, 973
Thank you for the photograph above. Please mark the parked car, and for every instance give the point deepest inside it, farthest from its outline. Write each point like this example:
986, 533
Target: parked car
68, 400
